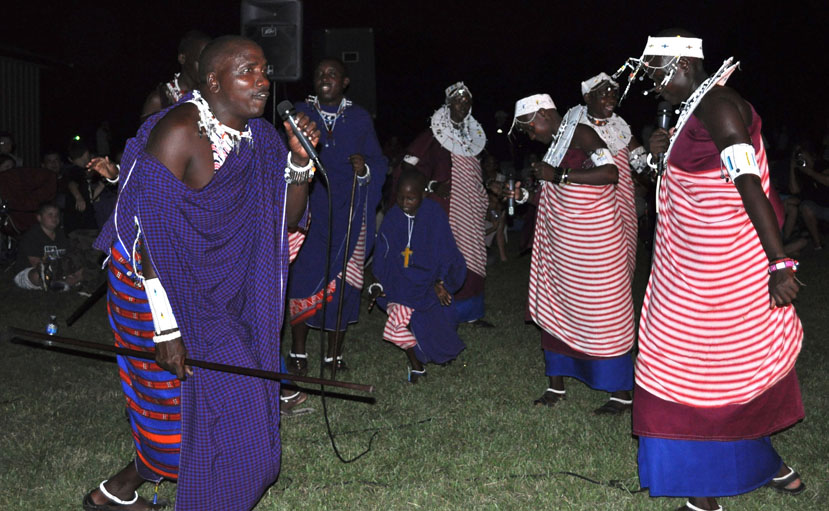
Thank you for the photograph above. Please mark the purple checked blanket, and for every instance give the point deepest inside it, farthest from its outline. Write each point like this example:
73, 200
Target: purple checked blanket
221, 254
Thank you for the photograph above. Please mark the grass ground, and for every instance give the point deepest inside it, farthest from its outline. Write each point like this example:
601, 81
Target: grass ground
469, 438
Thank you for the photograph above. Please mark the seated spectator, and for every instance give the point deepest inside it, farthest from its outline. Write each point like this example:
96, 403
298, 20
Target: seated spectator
812, 186
7, 148
23, 190
44, 260
78, 213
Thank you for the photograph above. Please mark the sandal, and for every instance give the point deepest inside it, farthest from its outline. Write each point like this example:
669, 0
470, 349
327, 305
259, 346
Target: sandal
690, 507
414, 375
298, 363
550, 397
614, 406
116, 504
780, 483
328, 362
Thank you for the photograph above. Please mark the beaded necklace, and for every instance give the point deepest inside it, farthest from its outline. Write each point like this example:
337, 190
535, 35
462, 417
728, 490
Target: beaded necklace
614, 131
174, 89
223, 139
466, 138
329, 118
564, 135
689, 105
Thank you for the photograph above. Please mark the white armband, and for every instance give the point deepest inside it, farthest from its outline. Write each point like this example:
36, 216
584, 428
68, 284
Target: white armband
739, 160
637, 160
364, 180
159, 306
601, 156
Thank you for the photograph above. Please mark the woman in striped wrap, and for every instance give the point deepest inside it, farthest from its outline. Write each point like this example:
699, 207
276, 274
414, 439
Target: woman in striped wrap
447, 154
718, 335
580, 284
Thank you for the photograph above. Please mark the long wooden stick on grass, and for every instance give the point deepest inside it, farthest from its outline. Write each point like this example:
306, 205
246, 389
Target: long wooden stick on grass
88, 303
149, 355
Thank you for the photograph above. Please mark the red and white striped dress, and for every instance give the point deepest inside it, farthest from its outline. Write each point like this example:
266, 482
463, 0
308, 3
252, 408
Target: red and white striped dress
627, 205
579, 280
616, 135
707, 337
467, 211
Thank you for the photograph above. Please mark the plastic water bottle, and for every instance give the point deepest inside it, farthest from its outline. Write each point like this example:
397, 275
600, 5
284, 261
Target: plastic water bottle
52, 327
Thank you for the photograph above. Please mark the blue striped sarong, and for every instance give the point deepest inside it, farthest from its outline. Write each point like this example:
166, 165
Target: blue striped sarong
152, 394
608, 374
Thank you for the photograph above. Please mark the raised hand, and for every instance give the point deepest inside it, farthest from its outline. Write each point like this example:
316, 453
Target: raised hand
358, 163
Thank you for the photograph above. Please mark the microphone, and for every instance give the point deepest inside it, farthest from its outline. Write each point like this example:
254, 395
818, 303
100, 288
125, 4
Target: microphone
288, 112
663, 120
511, 199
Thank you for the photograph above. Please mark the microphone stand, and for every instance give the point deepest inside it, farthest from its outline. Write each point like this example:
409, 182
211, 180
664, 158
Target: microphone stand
342, 289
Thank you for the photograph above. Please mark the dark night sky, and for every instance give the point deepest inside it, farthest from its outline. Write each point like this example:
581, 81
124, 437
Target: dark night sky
503, 50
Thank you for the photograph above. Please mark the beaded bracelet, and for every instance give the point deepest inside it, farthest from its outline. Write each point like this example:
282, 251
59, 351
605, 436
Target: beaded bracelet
159, 338
296, 174
782, 264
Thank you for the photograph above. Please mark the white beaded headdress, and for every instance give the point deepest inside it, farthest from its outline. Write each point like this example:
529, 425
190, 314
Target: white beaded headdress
673, 46
591, 83
457, 88
531, 105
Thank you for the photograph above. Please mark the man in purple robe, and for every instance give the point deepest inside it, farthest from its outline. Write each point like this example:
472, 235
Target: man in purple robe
207, 194
348, 146
418, 266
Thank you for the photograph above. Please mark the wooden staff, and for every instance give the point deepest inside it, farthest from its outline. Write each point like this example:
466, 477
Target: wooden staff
150, 355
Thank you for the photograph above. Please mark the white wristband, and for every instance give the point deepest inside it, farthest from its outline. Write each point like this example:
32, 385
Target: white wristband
525, 195
363, 180
429, 186
166, 337
739, 160
371, 287
115, 179
160, 308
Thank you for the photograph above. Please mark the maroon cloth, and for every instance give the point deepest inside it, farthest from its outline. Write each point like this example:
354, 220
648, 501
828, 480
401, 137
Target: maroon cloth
472, 286
775, 409
695, 149
26, 189
556, 345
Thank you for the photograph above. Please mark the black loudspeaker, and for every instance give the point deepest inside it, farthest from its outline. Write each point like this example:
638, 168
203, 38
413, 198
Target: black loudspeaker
355, 47
276, 25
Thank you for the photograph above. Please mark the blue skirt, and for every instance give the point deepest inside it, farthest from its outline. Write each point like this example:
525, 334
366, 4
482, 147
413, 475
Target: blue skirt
704, 468
608, 374
470, 309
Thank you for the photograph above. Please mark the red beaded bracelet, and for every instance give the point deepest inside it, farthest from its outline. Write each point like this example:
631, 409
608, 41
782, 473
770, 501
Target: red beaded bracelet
782, 264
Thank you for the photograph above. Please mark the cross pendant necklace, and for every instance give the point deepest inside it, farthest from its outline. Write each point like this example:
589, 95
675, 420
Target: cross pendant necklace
408, 251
